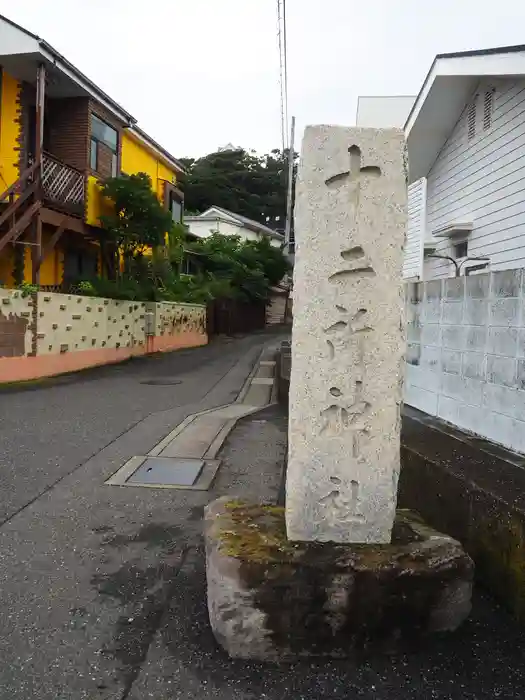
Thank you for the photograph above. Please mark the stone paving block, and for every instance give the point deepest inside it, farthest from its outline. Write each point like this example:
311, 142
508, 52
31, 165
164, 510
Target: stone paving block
454, 288
452, 312
476, 338
451, 361
502, 341
505, 312
506, 283
475, 312
501, 370
453, 337
477, 286
474, 365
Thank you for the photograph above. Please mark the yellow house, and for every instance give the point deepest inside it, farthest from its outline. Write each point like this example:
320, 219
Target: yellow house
60, 137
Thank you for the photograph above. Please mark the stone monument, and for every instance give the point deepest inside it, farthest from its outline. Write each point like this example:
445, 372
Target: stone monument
348, 339
340, 571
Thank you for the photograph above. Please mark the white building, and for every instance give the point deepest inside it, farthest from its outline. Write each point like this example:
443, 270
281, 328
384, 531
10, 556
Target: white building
218, 220
384, 112
466, 333
466, 147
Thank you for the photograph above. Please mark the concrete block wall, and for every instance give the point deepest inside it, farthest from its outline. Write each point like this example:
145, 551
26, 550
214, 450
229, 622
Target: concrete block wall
47, 334
68, 323
465, 357
171, 318
16, 317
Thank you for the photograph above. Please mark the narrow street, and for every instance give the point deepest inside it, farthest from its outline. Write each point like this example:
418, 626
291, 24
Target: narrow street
85, 568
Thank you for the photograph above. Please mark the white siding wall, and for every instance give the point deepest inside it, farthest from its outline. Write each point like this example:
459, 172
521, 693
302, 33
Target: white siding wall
204, 229
413, 253
483, 180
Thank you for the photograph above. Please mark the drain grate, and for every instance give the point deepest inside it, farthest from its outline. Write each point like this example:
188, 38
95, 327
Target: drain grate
168, 471
162, 381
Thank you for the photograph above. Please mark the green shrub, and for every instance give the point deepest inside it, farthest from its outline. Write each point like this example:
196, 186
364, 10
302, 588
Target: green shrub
28, 289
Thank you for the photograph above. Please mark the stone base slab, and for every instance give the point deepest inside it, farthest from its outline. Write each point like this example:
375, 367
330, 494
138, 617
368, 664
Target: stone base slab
276, 600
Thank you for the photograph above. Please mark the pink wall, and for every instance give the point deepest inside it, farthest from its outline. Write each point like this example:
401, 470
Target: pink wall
16, 369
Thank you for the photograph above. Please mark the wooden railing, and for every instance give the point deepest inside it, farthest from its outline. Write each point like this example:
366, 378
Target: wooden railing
22, 199
63, 185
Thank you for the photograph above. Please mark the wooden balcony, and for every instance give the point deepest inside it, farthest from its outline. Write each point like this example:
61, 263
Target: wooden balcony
63, 187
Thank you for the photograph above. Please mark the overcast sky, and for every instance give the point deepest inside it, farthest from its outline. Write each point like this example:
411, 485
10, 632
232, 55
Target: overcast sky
198, 74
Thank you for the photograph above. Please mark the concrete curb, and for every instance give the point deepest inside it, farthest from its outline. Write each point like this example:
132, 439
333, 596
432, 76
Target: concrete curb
201, 435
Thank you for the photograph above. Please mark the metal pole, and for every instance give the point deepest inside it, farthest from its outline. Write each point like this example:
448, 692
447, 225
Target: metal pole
289, 200
40, 101
36, 250
285, 59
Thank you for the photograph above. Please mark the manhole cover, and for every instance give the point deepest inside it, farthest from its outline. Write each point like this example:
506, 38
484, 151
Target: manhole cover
162, 381
169, 471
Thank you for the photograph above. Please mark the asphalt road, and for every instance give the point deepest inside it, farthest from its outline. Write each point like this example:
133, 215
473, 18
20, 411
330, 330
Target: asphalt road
86, 569
50, 429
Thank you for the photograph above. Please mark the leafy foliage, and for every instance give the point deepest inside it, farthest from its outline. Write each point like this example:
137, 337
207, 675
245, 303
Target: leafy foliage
228, 268
240, 181
28, 289
138, 220
249, 267
152, 246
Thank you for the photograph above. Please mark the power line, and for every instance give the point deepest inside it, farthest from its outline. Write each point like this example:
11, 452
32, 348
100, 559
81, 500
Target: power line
285, 50
283, 65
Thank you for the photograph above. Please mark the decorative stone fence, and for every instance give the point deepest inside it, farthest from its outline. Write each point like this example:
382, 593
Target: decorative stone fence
47, 334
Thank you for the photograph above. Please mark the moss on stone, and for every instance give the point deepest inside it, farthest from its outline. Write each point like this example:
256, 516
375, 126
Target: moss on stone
255, 532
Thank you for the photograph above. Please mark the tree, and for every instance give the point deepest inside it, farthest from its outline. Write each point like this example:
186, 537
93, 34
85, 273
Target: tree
137, 221
271, 260
248, 268
240, 181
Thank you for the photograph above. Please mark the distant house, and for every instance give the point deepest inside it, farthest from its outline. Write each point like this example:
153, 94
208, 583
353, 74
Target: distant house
218, 220
466, 148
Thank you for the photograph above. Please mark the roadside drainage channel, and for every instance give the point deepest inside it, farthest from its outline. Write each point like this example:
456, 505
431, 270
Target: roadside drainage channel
187, 457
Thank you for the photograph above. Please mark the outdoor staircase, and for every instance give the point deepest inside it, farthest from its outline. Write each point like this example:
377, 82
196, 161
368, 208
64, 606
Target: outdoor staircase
20, 203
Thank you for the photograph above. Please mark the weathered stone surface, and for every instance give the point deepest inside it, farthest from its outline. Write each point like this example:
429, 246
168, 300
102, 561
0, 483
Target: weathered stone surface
273, 599
348, 340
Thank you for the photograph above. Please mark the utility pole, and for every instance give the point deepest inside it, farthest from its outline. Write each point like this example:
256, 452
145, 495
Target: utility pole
289, 200
289, 209
36, 250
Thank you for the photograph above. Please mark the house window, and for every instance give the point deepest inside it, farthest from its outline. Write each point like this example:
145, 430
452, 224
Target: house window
471, 119
175, 207
461, 250
93, 155
188, 265
103, 134
488, 109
